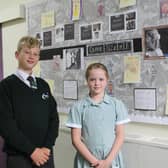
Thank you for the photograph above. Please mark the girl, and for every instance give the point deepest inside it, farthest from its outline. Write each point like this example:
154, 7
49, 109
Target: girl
96, 124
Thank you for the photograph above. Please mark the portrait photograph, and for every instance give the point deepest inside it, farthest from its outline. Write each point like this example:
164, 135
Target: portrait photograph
155, 40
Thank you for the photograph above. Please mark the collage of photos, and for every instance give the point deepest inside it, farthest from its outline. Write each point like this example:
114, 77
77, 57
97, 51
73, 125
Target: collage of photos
121, 22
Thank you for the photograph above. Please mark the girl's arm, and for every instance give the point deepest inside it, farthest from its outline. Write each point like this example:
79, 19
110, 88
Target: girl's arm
115, 148
81, 147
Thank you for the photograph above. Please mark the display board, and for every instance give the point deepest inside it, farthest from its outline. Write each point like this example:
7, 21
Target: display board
110, 32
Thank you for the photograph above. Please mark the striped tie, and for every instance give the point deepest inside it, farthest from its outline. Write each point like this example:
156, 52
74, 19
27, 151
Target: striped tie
32, 82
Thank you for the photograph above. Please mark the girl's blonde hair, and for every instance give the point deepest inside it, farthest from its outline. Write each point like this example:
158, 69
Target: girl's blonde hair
96, 66
27, 41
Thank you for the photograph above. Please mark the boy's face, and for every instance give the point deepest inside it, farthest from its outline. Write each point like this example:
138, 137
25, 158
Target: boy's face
27, 58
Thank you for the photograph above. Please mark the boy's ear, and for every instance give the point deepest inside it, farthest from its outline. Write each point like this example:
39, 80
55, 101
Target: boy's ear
16, 54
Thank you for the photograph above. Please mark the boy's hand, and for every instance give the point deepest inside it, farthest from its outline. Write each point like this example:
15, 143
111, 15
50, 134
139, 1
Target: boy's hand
40, 156
46, 151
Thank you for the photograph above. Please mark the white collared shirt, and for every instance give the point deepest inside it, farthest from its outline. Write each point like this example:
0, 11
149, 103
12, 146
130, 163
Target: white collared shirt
23, 76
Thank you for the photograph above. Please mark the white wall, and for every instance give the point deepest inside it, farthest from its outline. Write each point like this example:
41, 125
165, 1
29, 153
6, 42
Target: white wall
12, 31
137, 152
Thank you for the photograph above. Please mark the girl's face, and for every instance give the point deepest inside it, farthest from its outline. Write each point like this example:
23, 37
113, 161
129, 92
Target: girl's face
97, 81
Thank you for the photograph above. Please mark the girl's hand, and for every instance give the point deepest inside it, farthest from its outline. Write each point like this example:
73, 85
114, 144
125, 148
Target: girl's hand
103, 164
94, 164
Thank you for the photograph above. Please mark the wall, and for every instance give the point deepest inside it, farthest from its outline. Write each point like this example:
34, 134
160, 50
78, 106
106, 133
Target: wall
152, 71
13, 30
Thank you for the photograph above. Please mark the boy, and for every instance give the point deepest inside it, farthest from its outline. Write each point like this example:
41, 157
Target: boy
28, 112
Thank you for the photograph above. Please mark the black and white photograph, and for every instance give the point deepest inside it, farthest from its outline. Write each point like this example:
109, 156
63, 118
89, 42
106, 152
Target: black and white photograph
117, 23
59, 33
47, 38
39, 37
121, 22
97, 32
73, 58
85, 32
69, 32
155, 42
57, 63
131, 20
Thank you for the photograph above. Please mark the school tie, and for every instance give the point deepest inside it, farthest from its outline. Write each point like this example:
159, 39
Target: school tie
32, 82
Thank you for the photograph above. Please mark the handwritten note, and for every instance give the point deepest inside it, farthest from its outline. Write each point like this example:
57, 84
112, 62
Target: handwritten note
131, 69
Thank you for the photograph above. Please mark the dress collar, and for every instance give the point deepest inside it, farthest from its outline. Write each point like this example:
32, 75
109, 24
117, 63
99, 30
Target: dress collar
106, 99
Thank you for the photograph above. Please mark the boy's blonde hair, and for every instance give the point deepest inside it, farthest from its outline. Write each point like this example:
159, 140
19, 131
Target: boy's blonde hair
28, 41
96, 66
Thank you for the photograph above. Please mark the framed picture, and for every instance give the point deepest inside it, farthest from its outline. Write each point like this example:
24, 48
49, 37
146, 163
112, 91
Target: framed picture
97, 31
85, 32
131, 20
121, 22
69, 31
145, 99
73, 58
70, 89
117, 23
47, 39
155, 40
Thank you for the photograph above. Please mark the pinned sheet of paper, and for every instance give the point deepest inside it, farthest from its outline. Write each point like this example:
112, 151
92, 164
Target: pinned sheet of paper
76, 9
131, 69
51, 84
127, 3
47, 19
36, 70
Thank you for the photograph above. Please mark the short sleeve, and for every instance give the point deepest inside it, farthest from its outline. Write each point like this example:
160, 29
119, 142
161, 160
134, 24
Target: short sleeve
121, 113
74, 117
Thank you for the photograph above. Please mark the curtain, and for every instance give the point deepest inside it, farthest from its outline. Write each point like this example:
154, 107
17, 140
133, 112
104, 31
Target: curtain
1, 65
